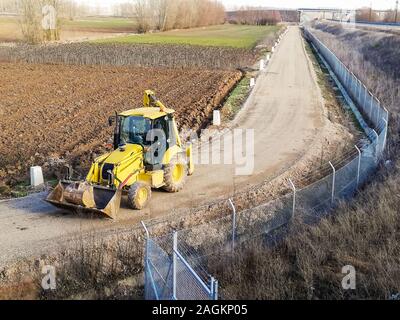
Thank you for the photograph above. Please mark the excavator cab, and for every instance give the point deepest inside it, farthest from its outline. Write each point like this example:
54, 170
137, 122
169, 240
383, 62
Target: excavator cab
148, 153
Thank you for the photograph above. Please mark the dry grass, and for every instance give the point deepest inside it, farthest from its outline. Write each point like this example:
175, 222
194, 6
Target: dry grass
100, 268
106, 266
307, 264
365, 233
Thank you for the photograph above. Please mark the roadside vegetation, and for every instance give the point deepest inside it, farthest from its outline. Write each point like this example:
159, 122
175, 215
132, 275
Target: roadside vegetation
92, 267
308, 263
236, 99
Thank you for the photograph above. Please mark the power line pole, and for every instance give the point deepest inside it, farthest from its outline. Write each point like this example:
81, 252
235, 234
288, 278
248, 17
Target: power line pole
397, 11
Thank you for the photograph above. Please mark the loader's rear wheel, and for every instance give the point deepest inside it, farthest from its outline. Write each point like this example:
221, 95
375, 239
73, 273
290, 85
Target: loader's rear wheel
175, 174
139, 195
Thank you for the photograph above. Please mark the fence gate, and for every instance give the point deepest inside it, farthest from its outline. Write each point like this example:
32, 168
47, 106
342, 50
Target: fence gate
169, 276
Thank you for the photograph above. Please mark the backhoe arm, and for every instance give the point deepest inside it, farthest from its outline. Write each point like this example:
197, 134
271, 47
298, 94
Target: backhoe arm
150, 100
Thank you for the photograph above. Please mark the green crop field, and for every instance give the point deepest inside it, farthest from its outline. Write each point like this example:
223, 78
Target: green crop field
236, 36
100, 23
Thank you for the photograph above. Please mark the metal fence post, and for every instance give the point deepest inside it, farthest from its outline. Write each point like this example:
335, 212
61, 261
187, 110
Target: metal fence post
376, 144
148, 272
371, 105
215, 290
387, 114
174, 264
233, 224
333, 182
294, 196
146, 263
359, 166
378, 111
352, 87
385, 135
365, 99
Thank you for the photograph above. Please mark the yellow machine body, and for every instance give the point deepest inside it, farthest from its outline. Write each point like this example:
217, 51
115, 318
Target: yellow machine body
116, 172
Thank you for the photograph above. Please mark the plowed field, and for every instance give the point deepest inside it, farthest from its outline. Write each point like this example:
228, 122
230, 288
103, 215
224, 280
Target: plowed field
52, 114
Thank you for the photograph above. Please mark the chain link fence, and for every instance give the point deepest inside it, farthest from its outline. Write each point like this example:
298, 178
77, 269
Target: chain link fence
172, 274
341, 179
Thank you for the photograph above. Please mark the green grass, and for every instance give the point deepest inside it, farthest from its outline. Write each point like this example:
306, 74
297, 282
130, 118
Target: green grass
217, 36
100, 23
236, 99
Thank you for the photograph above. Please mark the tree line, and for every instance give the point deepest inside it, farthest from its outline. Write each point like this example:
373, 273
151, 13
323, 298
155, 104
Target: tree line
370, 15
146, 15
255, 16
165, 15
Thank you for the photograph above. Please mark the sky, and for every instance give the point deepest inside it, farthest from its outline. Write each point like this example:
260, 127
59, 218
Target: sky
232, 4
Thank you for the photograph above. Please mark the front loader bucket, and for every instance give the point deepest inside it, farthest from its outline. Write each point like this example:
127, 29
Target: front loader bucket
106, 201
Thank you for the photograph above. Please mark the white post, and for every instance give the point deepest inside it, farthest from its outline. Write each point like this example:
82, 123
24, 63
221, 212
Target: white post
252, 82
333, 182
294, 196
359, 165
233, 224
36, 176
174, 264
262, 64
216, 118
268, 57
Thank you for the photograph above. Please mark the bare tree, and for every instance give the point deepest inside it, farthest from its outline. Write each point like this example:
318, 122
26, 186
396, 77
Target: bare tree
366, 14
172, 14
141, 11
30, 19
39, 20
8, 6
256, 16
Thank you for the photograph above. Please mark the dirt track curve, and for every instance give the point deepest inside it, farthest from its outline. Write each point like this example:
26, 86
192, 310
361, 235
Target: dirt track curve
285, 111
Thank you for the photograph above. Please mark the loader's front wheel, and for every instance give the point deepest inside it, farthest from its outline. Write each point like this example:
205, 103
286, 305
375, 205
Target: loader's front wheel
139, 195
175, 175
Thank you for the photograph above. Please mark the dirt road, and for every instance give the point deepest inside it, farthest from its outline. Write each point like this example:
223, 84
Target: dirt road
286, 113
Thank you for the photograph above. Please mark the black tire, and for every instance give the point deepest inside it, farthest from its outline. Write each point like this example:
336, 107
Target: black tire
172, 183
136, 193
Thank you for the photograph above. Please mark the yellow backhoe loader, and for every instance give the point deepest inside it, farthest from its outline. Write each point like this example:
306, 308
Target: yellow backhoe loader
147, 153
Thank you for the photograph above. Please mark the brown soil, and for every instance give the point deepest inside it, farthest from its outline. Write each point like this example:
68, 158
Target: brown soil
51, 114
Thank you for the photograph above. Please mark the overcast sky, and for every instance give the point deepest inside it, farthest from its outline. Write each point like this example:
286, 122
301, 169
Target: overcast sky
231, 4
